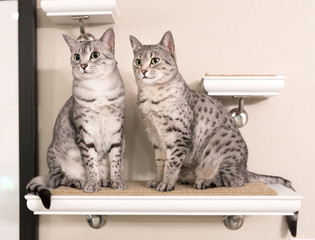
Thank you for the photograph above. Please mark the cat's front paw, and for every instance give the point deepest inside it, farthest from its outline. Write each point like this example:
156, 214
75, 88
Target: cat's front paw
165, 187
118, 184
91, 187
153, 183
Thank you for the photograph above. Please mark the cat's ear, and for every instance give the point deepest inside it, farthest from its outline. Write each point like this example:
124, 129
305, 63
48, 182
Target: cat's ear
108, 39
167, 41
136, 45
70, 41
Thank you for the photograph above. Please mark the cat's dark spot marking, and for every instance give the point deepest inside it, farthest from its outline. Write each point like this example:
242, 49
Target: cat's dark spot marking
217, 115
115, 98
83, 129
168, 62
220, 146
225, 120
118, 131
169, 146
175, 151
83, 148
77, 117
224, 134
114, 145
107, 56
143, 101
216, 142
207, 152
81, 140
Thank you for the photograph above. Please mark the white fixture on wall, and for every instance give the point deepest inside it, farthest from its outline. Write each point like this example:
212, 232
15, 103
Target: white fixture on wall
243, 85
285, 203
99, 11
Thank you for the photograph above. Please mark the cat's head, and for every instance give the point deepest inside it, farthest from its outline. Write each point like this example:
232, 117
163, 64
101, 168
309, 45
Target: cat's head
92, 59
154, 63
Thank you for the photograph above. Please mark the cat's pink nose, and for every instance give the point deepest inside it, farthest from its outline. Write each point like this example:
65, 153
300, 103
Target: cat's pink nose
84, 66
144, 71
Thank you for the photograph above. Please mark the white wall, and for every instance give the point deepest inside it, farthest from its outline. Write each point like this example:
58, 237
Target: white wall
218, 36
9, 125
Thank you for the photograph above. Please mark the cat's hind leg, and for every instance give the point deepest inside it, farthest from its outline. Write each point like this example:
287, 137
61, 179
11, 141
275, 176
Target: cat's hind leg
71, 170
72, 182
222, 160
206, 173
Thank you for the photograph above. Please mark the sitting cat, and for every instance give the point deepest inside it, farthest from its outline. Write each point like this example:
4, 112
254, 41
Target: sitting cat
88, 140
195, 138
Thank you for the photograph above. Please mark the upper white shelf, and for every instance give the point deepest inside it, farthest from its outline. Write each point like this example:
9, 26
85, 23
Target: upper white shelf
99, 11
243, 85
285, 203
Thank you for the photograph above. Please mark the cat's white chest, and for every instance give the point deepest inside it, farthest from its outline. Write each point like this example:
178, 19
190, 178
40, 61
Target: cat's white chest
107, 124
149, 105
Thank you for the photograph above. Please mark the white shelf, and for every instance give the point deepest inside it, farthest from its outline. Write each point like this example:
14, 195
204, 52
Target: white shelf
243, 86
99, 11
285, 203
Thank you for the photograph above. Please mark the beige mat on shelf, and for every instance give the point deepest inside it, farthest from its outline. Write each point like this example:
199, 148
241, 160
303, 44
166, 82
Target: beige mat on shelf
140, 189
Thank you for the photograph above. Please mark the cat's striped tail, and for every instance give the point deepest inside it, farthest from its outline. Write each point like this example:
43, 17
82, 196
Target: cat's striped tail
253, 177
38, 186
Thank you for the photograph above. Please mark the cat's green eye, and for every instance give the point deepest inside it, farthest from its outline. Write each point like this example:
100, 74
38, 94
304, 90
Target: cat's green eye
95, 55
76, 57
155, 60
138, 62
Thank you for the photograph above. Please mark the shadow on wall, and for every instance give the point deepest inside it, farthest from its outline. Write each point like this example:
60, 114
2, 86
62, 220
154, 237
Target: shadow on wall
139, 163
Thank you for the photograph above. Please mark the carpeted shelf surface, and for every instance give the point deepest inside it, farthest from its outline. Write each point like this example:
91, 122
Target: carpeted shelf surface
137, 188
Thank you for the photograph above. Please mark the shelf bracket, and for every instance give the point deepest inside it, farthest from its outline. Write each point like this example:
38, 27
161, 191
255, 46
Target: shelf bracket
83, 35
239, 114
96, 221
233, 222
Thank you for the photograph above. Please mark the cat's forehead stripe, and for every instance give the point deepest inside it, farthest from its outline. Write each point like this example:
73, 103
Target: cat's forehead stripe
86, 46
148, 51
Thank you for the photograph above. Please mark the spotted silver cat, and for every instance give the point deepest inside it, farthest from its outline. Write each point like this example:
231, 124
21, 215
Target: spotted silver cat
88, 141
195, 138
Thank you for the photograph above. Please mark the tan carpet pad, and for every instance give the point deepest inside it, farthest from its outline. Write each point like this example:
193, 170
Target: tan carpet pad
137, 188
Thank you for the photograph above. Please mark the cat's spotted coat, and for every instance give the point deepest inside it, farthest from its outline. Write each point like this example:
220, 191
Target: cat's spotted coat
88, 140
